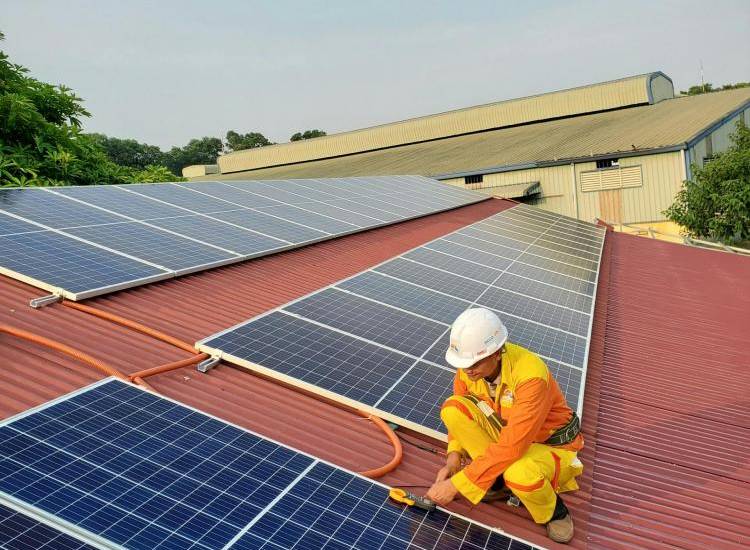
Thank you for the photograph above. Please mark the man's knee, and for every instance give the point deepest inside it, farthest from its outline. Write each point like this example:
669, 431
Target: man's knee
524, 475
455, 411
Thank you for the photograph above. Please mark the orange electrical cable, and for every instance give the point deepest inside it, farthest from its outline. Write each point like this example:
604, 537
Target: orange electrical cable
398, 451
132, 324
170, 366
63, 348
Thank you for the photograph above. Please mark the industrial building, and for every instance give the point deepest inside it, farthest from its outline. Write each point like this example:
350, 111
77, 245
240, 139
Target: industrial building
617, 150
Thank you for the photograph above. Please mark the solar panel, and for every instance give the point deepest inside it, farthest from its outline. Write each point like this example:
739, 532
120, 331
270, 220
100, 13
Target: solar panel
405, 307
19, 531
170, 229
127, 467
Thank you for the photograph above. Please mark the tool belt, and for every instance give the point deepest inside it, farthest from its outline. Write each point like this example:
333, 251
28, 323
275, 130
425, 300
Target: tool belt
487, 411
567, 433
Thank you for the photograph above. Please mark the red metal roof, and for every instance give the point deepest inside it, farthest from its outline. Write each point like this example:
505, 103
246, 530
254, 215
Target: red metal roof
663, 436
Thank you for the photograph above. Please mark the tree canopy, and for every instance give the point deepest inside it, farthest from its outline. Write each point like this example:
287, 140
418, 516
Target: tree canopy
708, 88
41, 141
715, 203
307, 134
251, 140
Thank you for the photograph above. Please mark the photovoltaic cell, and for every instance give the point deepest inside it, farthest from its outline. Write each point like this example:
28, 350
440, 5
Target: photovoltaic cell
497, 238
423, 275
499, 227
370, 320
558, 267
178, 195
316, 355
536, 310
21, 532
144, 472
552, 278
153, 245
220, 234
235, 194
548, 238
341, 213
366, 209
466, 252
419, 396
544, 291
406, 296
442, 261
40, 206
11, 226
115, 199
546, 341
311, 219
564, 257
569, 380
66, 263
484, 246
271, 226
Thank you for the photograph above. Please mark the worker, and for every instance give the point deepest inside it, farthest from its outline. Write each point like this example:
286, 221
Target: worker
509, 427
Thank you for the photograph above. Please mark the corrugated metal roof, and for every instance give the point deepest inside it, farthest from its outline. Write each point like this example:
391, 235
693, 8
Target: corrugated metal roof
668, 123
665, 413
615, 94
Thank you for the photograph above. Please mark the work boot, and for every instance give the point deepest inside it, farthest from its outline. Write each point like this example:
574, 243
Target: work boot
560, 526
498, 491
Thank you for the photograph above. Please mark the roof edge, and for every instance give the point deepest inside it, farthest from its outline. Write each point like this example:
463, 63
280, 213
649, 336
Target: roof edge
559, 162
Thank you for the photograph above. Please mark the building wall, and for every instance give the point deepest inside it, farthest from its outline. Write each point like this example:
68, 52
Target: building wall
556, 182
197, 170
718, 140
596, 97
661, 176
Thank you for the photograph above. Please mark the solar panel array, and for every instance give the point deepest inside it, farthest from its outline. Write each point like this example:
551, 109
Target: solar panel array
377, 340
126, 467
85, 241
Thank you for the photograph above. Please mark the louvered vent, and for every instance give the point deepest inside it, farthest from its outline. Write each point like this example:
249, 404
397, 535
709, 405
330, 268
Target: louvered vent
611, 178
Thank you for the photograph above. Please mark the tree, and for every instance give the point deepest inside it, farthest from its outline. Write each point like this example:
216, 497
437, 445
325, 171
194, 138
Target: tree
251, 140
715, 204
307, 134
708, 88
197, 151
128, 152
41, 142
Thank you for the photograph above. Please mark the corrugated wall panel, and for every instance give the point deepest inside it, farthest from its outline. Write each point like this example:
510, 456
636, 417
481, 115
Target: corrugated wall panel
661, 176
555, 181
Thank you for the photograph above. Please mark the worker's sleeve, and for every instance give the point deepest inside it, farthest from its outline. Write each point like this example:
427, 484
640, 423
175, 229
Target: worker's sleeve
459, 388
532, 404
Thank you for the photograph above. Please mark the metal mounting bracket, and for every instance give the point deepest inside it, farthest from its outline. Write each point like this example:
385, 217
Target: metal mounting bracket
207, 364
42, 301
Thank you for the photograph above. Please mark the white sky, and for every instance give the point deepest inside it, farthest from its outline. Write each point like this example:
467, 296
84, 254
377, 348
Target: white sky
163, 72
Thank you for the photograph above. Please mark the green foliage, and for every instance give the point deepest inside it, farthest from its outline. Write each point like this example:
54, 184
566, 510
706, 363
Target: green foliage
41, 142
154, 174
307, 134
715, 204
197, 151
129, 152
238, 142
708, 88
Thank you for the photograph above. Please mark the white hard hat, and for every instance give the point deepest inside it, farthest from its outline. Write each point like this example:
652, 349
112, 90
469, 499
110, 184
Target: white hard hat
475, 334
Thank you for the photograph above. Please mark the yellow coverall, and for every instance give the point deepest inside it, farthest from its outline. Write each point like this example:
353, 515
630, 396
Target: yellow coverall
531, 408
